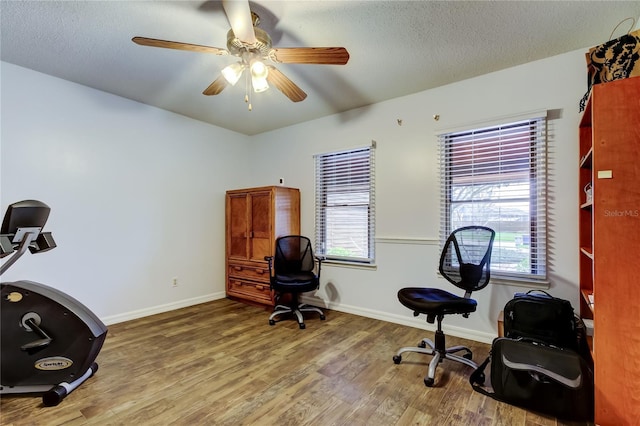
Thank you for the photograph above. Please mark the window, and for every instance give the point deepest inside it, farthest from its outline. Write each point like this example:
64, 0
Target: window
496, 177
345, 201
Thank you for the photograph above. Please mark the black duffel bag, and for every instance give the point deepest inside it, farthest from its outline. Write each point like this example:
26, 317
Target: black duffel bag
537, 315
545, 379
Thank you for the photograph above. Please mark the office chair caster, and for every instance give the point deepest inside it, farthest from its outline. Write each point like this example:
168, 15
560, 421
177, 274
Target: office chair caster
397, 359
428, 381
302, 326
272, 322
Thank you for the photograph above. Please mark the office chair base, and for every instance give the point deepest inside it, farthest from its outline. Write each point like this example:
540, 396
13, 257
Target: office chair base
297, 311
427, 347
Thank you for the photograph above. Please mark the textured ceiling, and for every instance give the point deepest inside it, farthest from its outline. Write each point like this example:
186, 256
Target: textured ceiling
396, 48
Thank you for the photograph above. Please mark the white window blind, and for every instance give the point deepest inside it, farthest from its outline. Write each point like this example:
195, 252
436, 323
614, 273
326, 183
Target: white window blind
345, 205
496, 177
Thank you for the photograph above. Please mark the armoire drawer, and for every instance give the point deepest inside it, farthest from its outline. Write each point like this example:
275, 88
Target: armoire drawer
257, 291
249, 272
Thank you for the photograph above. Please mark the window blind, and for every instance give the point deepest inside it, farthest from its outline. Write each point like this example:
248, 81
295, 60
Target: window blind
497, 177
345, 205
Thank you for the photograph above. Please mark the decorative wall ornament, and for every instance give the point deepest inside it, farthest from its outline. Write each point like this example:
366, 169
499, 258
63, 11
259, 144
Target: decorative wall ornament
613, 60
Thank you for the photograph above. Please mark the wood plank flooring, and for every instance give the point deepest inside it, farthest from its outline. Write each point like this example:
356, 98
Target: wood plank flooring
220, 363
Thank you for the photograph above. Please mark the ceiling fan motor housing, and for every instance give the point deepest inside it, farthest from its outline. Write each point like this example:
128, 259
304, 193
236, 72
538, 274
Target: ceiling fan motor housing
262, 46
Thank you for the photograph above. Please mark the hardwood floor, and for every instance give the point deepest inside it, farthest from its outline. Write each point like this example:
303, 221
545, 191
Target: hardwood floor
220, 363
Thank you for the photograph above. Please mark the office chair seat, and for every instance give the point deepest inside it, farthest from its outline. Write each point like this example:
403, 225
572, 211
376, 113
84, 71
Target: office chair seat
298, 278
293, 286
464, 262
433, 301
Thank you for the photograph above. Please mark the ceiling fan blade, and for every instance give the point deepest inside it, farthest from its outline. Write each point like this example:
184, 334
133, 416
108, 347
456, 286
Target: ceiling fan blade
216, 87
310, 55
144, 41
285, 85
239, 16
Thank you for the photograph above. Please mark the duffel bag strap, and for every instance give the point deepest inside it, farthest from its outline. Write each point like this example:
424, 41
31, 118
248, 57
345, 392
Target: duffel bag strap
540, 291
477, 378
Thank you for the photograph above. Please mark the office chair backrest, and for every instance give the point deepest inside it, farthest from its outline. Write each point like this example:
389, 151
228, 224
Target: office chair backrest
293, 254
466, 257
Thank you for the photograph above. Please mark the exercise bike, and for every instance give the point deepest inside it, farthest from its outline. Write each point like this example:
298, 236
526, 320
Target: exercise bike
48, 340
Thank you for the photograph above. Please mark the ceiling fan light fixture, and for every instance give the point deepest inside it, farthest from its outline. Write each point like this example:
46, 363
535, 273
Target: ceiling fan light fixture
258, 69
233, 72
259, 84
259, 73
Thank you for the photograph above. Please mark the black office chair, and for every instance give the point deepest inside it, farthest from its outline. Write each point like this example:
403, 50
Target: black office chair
292, 271
464, 262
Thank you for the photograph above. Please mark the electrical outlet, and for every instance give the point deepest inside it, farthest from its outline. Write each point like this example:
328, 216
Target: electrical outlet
175, 281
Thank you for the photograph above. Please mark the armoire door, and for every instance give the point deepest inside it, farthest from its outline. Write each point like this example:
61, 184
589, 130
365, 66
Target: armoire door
260, 238
238, 226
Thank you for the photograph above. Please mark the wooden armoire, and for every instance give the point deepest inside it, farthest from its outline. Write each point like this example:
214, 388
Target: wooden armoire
609, 233
255, 217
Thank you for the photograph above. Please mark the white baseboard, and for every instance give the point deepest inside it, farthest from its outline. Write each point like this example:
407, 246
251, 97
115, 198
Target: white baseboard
464, 333
127, 316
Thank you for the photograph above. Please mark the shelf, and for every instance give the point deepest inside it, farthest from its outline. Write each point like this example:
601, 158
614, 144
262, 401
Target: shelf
587, 252
588, 298
585, 122
585, 161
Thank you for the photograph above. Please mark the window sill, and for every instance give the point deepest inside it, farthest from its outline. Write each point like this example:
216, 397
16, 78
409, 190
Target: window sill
352, 265
530, 284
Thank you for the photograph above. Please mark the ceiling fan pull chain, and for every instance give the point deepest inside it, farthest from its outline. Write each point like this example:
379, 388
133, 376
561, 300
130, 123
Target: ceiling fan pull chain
247, 91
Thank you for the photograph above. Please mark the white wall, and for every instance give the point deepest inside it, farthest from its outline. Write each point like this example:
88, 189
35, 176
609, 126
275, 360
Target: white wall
136, 194
407, 187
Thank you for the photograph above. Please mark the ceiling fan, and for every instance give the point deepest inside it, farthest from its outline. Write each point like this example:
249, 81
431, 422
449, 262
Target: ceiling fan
254, 49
